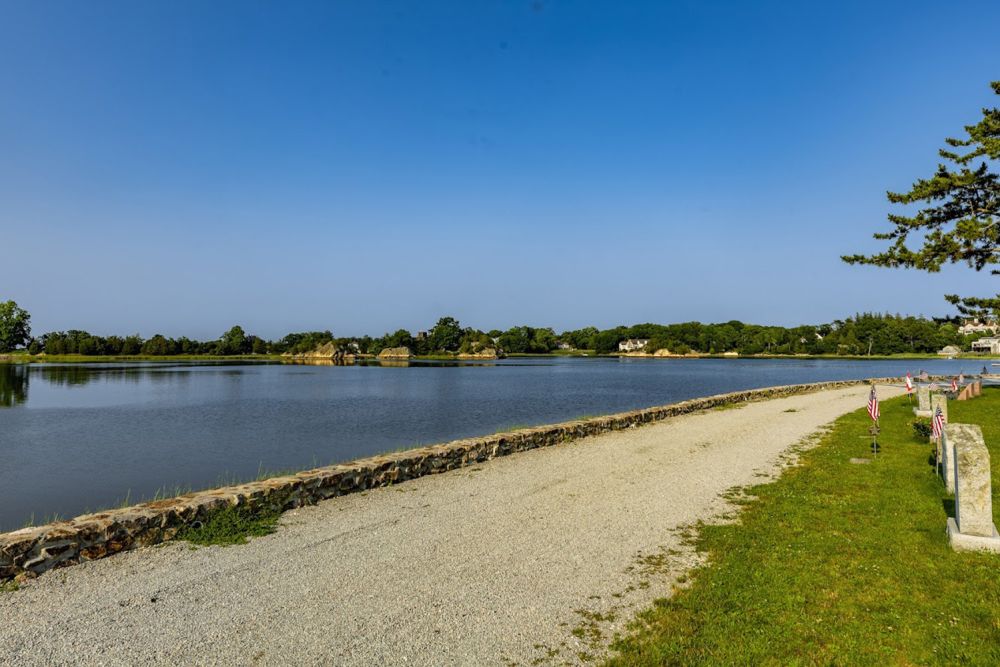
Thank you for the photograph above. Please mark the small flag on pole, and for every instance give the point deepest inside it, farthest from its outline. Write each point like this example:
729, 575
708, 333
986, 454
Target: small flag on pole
909, 383
937, 424
961, 378
954, 384
873, 405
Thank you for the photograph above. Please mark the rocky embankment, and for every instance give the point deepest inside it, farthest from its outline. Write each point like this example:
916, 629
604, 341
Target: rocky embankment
328, 352
395, 353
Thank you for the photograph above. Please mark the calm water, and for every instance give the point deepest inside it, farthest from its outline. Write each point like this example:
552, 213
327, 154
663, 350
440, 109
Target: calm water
84, 436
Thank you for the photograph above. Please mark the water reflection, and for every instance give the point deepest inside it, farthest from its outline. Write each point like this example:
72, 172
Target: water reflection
66, 375
319, 362
13, 385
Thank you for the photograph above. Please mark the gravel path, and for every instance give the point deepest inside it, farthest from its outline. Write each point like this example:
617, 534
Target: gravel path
537, 556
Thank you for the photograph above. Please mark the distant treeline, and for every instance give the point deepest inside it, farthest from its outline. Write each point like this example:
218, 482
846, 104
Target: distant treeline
865, 333
233, 342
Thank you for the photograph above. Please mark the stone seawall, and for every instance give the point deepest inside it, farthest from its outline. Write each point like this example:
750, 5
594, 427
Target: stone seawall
31, 551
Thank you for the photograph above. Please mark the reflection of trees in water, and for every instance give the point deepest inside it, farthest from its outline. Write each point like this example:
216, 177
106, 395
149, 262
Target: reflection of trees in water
65, 374
81, 375
13, 385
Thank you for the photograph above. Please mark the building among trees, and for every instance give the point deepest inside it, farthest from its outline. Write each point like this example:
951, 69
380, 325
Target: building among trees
987, 346
633, 345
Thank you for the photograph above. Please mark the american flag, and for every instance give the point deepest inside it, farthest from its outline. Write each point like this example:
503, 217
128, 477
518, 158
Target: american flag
937, 424
873, 405
954, 384
909, 383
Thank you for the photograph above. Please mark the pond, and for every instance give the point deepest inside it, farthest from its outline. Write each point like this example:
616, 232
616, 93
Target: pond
79, 437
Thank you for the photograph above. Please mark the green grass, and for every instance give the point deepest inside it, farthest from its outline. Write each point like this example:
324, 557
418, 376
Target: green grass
837, 563
728, 406
8, 587
233, 525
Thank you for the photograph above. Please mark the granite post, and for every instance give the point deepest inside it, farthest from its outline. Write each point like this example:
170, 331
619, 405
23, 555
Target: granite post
923, 408
972, 528
946, 455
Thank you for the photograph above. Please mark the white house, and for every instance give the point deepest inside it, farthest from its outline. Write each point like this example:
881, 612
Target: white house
987, 346
975, 326
632, 344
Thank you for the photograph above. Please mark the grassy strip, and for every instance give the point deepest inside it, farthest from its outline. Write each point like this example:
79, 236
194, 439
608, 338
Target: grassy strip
233, 525
838, 563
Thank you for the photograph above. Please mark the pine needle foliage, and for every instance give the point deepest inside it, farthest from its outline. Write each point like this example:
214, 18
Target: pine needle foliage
960, 219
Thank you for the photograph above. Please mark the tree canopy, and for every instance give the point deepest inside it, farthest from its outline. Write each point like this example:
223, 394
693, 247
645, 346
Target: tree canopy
15, 326
960, 219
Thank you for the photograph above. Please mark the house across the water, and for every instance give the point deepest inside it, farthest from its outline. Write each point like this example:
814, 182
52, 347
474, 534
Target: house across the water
632, 344
987, 346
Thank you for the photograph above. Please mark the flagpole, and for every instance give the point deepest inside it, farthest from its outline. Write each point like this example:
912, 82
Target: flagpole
874, 413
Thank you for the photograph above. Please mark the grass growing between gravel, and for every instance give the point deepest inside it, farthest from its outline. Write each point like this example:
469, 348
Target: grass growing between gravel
839, 563
233, 525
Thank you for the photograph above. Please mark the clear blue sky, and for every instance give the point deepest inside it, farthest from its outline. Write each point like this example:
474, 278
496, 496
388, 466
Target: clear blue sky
179, 167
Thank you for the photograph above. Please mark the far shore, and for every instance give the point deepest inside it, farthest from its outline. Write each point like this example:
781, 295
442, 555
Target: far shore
25, 358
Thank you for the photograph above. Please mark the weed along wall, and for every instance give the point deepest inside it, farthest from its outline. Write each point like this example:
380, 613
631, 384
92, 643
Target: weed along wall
29, 552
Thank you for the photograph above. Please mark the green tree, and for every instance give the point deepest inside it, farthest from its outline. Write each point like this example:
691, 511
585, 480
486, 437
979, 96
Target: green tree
960, 219
234, 341
258, 345
130, 345
15, 326
515, 340
159, 346
446, 335
402, 338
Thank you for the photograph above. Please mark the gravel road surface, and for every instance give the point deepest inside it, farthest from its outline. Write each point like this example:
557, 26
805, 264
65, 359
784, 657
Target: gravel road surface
542, 555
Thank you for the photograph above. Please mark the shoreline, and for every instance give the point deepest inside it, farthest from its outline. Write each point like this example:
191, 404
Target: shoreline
30, 551
372, 360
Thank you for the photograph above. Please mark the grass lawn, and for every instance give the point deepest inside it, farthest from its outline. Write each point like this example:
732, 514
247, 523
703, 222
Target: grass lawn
839, 563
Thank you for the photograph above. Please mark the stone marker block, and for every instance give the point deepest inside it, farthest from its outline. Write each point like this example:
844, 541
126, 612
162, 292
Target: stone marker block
966, 393
923, 408
977, 388
972, 528
946, 456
